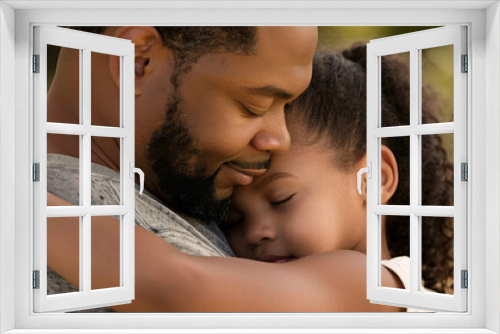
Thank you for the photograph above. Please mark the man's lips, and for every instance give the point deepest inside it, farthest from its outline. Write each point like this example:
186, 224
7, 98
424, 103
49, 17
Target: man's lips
231, 174
241, 176
249, 172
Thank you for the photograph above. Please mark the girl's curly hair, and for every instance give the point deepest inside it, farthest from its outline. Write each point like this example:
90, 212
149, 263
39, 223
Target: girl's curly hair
334, 108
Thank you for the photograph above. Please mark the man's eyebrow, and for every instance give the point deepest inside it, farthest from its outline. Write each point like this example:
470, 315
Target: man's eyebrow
270, 90
271, 178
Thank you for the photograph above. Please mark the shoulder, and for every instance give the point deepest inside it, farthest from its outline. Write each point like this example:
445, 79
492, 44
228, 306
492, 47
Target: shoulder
343, 274
400, 267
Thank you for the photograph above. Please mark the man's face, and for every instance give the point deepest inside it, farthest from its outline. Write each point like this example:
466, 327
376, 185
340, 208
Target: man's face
226, 119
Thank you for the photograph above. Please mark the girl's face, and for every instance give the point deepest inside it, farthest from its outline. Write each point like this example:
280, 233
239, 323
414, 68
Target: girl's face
301, 206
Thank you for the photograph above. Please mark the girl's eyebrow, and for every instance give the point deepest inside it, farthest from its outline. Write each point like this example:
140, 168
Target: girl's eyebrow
266, 180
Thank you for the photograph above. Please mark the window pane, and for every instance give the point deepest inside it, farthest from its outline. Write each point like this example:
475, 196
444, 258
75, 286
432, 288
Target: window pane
437, 169
437, 254
106, 229
395, 247
400, 148
105, 170
63, 172
437, 84
106, 87
70, 258
395, 81
64, 104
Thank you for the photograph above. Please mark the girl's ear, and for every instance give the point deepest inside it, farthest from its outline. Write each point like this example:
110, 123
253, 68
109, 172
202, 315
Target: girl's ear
389, 174
148, 43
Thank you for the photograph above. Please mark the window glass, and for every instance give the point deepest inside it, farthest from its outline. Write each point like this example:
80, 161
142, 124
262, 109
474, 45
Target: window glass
437, 254
110, 156
395, 114
437, 164
71, 86
437, 68
63, 177
112, 225
55, 285
108, 87
395, 258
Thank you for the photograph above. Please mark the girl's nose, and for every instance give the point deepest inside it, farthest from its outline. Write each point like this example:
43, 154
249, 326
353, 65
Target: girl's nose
259, 232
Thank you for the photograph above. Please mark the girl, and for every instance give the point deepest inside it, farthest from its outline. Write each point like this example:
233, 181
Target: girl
304, 204
303, 221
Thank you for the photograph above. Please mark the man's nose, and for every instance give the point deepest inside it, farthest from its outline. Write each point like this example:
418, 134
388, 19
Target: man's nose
258, 232
274, 136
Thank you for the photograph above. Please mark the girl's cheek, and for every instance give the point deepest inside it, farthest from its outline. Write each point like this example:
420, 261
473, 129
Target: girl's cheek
235, 238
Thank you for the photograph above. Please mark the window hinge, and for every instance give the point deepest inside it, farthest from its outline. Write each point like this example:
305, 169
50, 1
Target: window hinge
465, 64
464, 171
465, 279
36, 63
36, 172
36, 279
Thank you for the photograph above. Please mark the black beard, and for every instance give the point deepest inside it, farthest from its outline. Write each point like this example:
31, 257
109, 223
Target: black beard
194, 196
189, 191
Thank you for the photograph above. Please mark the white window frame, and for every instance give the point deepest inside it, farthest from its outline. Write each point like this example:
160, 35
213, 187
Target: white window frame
483, 21
85, 43
413, 43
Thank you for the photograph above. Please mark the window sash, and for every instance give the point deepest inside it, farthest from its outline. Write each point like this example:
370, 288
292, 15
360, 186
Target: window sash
86, 298
413, 43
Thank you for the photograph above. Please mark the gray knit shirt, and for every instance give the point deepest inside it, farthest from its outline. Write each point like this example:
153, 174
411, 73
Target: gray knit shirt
188, 235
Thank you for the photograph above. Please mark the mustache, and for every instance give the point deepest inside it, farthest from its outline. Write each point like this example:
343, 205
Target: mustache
253, 165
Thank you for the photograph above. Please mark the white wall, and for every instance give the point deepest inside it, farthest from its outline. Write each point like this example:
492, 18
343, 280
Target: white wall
492, 150
491, 101
7, 159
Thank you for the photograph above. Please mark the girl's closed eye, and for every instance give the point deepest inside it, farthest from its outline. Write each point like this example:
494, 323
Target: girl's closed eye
283, 200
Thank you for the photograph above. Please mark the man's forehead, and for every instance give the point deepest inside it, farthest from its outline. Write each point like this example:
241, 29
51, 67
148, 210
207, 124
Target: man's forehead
260, 73
281, 66
300, 41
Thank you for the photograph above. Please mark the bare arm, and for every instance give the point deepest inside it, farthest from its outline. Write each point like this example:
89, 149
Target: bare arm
170, 281
327, 282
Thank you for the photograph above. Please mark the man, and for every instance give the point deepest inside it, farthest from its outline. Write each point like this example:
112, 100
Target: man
210, 112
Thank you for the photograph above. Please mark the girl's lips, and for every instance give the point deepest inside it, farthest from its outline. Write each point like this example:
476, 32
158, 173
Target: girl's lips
278, 259
283, 260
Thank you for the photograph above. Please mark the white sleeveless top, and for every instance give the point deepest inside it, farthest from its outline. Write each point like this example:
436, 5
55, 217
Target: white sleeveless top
401, 267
